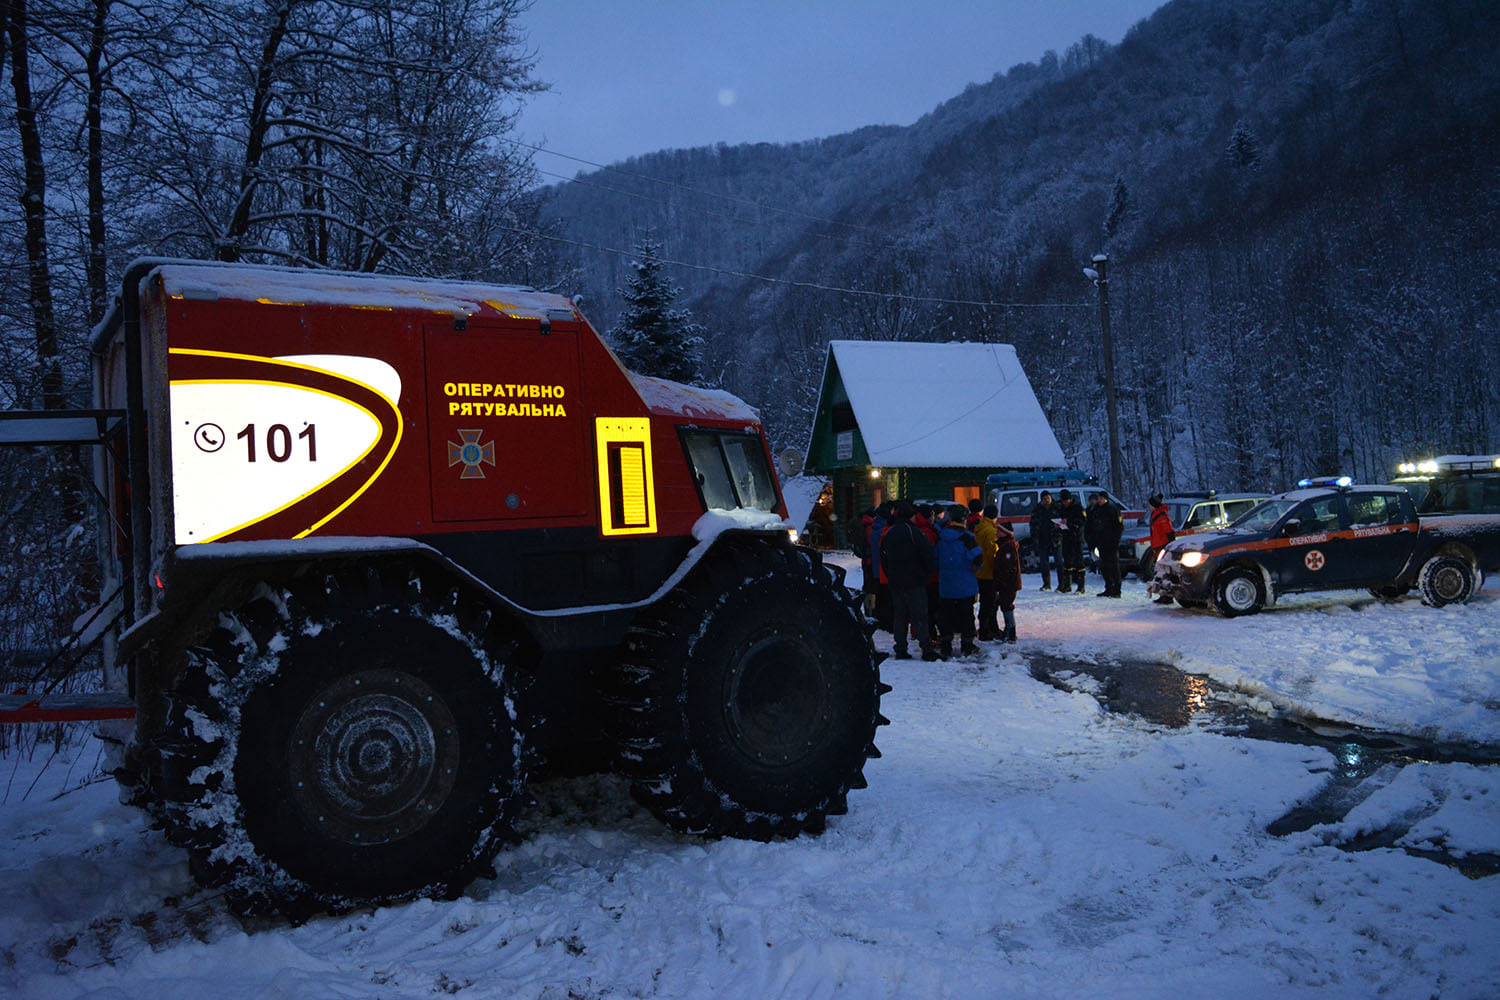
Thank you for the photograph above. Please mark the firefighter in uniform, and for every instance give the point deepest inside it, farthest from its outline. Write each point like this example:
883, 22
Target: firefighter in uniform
1105, 524
1071, 515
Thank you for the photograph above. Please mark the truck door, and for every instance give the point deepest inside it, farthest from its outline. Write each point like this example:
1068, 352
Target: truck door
506, 426
1384, 534
1317, 558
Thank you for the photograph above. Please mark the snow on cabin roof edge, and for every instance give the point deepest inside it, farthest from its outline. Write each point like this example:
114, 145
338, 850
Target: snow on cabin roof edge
306, 286
668, 398
918, 404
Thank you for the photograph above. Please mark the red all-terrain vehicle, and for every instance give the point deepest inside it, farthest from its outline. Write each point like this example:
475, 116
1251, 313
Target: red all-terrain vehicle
386, 546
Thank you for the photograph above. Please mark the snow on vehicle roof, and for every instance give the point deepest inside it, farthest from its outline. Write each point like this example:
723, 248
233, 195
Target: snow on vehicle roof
1310, 492
674, 399
303, 286
912, 401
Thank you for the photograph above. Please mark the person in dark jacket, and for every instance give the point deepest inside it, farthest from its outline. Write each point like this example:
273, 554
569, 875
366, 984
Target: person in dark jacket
1161, 532
1103, 525
907, 561
958, 559
1007, 578
1070, 578
877, 584
1044, 540
925, 519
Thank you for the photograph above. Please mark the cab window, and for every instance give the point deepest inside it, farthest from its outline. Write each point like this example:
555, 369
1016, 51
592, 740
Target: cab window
730, 469
1017, 504
1202, 514
1370, 509
1235, 509
1318, 516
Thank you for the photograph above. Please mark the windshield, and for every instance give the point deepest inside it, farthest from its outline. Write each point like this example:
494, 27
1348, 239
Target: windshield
1265, 515
1179, 512
730, 469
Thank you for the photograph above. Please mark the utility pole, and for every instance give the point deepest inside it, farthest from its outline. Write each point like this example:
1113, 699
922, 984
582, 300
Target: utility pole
1100, 276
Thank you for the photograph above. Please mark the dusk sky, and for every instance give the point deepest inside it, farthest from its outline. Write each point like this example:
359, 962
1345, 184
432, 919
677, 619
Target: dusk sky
634, 77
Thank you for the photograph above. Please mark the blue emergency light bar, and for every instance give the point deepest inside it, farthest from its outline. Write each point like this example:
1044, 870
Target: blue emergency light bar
1340, 481
1040, 477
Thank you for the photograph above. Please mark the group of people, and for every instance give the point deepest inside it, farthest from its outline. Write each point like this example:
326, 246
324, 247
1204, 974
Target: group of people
1061, 532
924, 567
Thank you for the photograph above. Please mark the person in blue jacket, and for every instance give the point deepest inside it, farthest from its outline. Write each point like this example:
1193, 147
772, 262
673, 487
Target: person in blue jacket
958, 557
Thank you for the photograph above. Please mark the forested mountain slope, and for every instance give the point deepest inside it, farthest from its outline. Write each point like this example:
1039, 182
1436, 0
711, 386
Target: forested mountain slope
1298, 199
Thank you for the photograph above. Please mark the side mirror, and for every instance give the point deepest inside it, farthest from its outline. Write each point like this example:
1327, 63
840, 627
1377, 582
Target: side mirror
1292, 527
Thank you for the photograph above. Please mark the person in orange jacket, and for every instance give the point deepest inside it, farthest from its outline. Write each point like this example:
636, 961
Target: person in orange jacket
985, 532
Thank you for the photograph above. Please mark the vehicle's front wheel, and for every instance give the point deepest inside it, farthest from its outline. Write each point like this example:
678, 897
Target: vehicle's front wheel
1239, 590
1447, 580
746, 702
358, 744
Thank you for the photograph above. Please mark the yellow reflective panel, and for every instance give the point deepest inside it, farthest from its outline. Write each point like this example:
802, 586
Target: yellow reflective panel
627, 495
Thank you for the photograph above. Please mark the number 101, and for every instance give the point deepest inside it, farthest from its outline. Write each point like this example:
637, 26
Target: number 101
279, 441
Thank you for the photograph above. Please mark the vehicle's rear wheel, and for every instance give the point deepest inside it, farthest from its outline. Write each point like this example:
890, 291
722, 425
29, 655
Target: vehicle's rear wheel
1447, 580
746, 701
1389, 594
358, 745
1239, 590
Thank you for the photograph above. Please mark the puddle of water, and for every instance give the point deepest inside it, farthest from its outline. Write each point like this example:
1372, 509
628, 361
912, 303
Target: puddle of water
1366, 760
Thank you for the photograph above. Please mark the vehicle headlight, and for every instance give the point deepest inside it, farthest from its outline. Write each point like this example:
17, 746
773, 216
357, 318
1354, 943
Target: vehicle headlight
1191, 559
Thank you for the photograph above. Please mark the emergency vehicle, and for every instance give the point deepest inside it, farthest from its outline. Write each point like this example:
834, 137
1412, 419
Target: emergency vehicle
378, 549
1015, 494
1190, 513
1330, 535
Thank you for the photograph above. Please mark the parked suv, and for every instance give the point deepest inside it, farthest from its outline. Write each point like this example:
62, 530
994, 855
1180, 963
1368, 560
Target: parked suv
1192, 512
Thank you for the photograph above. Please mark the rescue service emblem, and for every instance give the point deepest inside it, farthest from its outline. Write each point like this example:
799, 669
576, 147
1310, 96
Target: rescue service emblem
1314, 560
471, 454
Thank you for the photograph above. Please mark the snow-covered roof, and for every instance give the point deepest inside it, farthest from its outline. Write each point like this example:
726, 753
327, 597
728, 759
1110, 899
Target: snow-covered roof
302, 286
674, 399
959, 404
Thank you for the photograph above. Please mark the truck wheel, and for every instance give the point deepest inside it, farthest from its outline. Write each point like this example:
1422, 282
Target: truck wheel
1239, 590
746, 701
359, 745
1146, 568
1446, 580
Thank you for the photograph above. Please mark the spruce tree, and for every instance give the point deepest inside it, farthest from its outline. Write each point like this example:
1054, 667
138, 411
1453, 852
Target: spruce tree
652, 338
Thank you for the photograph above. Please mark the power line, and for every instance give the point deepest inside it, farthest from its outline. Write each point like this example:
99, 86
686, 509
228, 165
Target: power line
729, 272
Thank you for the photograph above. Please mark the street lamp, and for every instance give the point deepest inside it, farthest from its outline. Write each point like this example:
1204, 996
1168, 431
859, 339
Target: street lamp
1099, 275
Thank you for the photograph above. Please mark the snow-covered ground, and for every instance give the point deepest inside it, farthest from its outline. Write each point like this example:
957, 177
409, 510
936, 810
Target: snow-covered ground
1015, 841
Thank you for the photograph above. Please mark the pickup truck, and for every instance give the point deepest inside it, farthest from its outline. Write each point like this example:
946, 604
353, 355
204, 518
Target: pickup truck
1331, 537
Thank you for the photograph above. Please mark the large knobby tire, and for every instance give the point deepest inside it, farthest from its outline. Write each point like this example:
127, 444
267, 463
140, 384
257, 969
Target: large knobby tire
746, 701
1239, 590
1447, 580
357, 742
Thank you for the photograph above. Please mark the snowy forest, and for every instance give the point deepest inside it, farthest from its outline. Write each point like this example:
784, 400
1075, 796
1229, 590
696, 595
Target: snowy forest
1298, 199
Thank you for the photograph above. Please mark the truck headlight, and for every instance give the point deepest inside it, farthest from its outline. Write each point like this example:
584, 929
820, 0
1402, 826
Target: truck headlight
1191, 559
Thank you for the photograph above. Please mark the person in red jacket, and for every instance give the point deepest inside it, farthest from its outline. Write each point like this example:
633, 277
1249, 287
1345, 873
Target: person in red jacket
1161, 532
